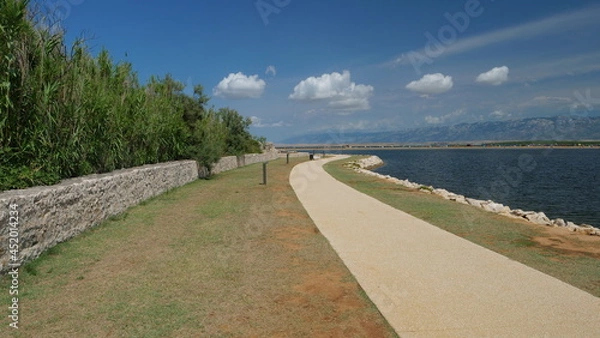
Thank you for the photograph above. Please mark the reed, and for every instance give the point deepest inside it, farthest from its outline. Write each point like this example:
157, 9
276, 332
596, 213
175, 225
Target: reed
65, 112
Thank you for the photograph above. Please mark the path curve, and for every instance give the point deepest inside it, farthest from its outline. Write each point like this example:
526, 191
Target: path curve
430, 283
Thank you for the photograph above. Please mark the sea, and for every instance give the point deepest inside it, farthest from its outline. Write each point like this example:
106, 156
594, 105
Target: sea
561, 182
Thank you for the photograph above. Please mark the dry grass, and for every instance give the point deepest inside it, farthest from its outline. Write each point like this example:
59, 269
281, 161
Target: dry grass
568, 256
225, 257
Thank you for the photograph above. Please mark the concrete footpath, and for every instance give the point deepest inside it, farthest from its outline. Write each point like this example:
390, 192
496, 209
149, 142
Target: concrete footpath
430, 283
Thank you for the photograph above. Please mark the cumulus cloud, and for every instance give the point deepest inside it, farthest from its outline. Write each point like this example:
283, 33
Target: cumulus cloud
240, 86
338, 89
271, 70
431, 84
495, 76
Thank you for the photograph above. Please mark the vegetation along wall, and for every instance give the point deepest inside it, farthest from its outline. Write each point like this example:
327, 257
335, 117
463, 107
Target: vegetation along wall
49, 215
70, 116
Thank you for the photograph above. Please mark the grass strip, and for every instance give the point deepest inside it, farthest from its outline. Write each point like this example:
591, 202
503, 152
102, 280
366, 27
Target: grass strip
225, 257
574, 259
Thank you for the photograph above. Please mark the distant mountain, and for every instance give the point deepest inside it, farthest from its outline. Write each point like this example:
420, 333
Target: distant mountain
543, 128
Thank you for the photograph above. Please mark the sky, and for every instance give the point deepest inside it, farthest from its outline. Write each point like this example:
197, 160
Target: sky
297, 67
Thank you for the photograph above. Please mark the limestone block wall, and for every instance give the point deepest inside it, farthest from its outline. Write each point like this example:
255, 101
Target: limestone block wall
232, 162
258, 158
294, 154
225, 164
54, 214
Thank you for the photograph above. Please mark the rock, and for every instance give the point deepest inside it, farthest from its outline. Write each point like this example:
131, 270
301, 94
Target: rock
461, 199
508, 214
409, 184
474, 202
519, 213
441, 192
572, 226
588, 231
537, 218
412, 185
494, 207
452, 196
559, 222
368, 162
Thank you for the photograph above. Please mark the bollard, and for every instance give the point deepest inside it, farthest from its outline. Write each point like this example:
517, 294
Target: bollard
265, 173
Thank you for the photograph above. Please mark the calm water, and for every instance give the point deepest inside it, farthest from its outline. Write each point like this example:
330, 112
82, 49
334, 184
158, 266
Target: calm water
563, 183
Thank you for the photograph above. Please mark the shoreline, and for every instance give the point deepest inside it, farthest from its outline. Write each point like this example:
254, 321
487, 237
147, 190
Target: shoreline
330, 147
365, 166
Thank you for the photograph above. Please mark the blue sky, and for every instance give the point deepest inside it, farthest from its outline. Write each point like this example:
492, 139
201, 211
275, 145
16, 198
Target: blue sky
340, 66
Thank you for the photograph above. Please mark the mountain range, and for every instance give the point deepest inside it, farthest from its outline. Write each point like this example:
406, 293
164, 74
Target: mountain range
542, 128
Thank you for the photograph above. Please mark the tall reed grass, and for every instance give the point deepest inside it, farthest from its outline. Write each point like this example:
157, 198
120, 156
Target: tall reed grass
67, 113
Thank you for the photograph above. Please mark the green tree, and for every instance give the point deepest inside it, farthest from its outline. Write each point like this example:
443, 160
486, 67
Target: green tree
66, 113
208, 140
238, 140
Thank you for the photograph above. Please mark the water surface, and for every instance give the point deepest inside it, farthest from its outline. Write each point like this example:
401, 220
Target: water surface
563, 183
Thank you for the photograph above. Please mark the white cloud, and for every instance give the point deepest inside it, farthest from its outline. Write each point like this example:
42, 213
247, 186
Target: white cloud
258, 123
240, 86
547, 100
335, 88
500, 114
271, 70
584, 105
551, 25
432, 119
431, 84
571, 65
495, 76
453, 116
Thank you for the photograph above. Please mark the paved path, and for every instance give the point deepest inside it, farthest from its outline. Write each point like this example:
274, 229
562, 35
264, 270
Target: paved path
430, 283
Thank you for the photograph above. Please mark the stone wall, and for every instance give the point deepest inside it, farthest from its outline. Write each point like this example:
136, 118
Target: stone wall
53, 214
294, 154
233, 162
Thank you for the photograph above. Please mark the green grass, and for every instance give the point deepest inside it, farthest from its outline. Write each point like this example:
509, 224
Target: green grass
512, 238
222, 257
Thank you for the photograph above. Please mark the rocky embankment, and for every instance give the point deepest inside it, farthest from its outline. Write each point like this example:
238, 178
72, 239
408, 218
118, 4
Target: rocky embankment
367, 163
363, 165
